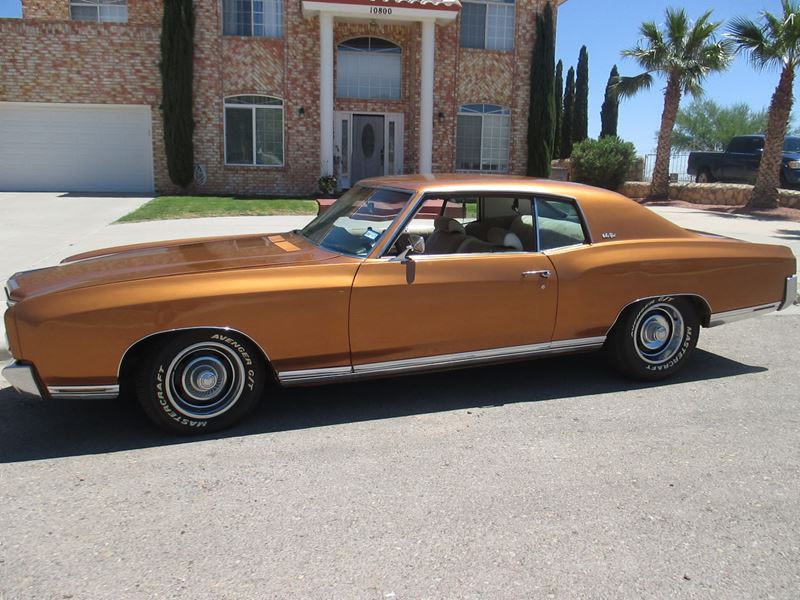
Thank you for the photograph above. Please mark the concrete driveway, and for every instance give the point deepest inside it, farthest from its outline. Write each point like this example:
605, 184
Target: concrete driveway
40, 228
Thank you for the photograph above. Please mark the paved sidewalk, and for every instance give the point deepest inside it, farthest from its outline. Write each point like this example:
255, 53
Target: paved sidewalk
743, 227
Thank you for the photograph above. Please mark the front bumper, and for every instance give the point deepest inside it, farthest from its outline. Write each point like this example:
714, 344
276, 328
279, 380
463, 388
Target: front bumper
790, 294
23, 379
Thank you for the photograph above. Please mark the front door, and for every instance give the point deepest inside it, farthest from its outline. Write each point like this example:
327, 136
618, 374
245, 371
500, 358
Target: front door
368, 147
453, 304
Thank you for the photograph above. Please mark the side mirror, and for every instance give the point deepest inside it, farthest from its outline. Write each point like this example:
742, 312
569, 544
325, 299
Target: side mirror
416, 245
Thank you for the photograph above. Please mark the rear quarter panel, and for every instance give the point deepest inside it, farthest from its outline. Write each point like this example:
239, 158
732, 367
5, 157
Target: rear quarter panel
596, 282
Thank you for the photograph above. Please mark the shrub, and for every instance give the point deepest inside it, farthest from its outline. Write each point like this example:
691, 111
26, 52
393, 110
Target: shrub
177, 63
604, 162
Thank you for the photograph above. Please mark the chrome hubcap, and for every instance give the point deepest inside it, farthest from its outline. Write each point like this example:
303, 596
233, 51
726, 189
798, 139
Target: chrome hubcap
659, 333
204, 377
205, 380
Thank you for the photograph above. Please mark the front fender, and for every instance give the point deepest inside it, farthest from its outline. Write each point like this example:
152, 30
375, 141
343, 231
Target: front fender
297, 315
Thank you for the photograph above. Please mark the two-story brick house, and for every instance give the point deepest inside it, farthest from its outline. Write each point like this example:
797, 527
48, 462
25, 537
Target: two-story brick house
285, 90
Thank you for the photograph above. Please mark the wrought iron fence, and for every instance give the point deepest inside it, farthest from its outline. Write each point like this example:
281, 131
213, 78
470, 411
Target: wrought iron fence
678, 164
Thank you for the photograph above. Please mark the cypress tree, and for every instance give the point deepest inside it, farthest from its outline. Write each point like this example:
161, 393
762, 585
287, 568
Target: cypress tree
541, 116
177, 71
559, 101
580, 125
609, 113
566, 120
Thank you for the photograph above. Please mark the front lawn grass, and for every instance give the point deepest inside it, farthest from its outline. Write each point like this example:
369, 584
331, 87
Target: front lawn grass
192, 207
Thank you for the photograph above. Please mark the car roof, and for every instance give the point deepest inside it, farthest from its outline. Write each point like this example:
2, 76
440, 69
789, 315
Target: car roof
469, 182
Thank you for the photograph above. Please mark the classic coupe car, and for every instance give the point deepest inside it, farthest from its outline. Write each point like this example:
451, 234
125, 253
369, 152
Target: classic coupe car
401, 274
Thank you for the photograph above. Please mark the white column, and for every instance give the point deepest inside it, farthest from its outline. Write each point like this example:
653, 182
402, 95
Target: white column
426, 97
326, 93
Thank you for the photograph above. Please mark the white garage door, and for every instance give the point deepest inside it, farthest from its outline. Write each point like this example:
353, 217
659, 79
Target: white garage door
75, 148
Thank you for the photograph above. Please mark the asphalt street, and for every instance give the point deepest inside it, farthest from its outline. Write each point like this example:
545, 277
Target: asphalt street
550, 478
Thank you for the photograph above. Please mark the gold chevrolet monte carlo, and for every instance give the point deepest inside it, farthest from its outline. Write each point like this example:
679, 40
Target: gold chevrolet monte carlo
401, 274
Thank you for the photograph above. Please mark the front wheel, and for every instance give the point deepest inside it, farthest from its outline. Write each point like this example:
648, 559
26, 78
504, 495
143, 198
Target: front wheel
201, 381
654, 338
704, 176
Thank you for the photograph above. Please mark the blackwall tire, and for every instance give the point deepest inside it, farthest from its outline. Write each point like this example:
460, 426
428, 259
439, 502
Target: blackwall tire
704, 176
201, 381
654, 338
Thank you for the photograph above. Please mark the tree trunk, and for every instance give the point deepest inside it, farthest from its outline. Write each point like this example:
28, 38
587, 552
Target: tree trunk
672, 99
765, 192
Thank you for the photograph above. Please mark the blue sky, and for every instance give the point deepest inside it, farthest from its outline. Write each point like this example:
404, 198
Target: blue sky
10, 8
608, 26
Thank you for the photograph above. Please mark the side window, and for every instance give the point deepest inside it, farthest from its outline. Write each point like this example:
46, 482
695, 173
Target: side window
559, 224
738, 145
469, 225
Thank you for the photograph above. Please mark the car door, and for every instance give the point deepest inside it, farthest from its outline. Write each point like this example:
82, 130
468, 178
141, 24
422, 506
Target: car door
741, 160
438, 305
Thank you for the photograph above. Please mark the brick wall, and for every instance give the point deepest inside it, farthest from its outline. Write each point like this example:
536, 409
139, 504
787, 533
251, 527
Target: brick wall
47, 58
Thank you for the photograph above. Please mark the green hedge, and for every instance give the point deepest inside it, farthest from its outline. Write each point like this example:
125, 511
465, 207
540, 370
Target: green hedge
604, 162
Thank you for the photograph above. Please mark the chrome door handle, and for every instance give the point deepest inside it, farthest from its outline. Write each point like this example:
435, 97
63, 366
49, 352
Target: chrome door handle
544, 274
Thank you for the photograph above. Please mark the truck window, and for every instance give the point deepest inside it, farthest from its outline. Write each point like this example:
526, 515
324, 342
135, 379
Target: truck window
739, 145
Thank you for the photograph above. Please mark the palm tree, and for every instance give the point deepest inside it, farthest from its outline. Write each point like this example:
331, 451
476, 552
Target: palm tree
684, 53
775, 43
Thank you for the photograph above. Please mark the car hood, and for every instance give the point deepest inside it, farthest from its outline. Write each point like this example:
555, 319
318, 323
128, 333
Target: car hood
160, 259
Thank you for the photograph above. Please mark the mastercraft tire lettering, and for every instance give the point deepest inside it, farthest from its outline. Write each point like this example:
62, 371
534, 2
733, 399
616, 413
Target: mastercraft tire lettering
654, 338
201, 381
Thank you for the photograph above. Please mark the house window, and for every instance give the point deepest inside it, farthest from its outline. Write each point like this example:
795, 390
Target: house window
488, 24
482, 138
368, 68
254, 131
259, 18
99, 11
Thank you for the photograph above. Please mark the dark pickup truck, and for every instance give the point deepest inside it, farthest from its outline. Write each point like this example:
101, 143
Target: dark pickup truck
739, 163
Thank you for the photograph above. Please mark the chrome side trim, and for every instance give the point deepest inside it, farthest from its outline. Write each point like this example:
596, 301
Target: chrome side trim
442, 361
22, 379
314, 375
632, 302
741, 313
179, 329
69, 392
790, 293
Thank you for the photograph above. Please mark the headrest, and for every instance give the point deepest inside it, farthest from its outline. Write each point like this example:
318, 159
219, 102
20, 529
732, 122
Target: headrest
500, 237
447, 225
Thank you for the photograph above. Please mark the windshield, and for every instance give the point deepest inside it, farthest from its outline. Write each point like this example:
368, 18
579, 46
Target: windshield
791, 144
357, 221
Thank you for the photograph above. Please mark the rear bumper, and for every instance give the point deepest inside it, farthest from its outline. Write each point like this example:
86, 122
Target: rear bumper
790, 293
23, 378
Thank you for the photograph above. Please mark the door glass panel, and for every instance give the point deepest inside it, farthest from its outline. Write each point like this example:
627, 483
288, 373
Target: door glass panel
368, 140
391, 148
345, 147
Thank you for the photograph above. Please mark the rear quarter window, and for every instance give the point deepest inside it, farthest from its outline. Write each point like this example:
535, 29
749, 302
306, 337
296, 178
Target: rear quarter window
559, 224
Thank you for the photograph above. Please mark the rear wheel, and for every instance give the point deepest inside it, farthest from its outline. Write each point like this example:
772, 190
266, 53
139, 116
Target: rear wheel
201, 381
704, 176
654, 338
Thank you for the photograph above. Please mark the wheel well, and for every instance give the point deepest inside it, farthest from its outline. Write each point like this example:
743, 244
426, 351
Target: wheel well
136, 353
700, 305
